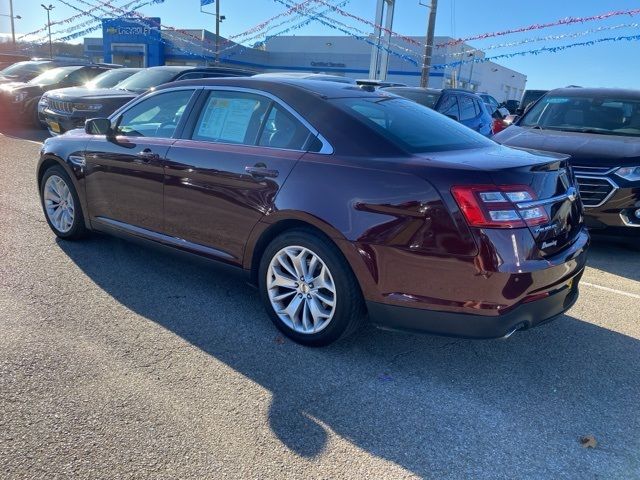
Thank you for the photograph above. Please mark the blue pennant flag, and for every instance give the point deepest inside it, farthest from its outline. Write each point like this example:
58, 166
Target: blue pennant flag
206, 2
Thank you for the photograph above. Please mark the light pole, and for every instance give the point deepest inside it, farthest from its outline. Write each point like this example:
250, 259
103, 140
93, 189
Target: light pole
428, 48
13, 27
219, 19
48, 9
12, 17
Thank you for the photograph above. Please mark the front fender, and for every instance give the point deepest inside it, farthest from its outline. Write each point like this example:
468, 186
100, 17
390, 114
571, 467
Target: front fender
70, 156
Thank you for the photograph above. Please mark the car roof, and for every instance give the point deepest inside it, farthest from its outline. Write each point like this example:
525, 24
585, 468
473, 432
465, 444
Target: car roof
190, 68
307, 76
412, 89
622, 93
318, 88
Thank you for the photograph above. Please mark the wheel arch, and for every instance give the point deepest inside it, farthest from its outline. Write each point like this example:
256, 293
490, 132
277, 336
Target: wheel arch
264, 233
48, 161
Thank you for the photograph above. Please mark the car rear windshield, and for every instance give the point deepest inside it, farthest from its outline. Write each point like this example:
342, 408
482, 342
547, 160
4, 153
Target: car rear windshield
53, 76
22, 68
110, 78
147, 79
428, 99
413, 127
602, 115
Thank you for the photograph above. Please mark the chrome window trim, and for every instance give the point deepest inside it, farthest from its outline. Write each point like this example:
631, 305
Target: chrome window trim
327, 148
599, 177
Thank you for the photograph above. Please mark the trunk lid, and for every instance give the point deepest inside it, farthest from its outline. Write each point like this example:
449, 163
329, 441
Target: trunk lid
555, 187
548, 177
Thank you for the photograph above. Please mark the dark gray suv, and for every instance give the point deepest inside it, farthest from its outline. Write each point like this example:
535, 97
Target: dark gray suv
69, 109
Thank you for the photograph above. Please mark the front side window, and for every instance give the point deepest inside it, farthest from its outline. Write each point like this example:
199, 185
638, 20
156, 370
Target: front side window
157, 116
53, 76
411, 126
606, 116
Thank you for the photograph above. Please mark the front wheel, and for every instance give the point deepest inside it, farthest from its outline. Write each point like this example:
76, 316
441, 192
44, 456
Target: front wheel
308, 289
61, 204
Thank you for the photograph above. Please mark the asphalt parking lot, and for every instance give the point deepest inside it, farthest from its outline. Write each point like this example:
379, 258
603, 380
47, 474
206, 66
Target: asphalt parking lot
118, 361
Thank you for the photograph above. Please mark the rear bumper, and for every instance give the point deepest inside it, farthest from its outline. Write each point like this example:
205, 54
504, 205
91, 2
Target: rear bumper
478, 299
521, 317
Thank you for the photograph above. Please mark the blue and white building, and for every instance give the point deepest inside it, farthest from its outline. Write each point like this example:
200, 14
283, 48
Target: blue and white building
143, 43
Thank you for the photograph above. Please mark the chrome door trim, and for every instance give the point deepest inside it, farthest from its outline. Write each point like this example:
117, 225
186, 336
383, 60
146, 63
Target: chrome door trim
570, 194
163, 239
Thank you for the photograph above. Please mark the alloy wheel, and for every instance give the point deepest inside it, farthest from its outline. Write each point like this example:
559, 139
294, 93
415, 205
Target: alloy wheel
59, 204
301, 289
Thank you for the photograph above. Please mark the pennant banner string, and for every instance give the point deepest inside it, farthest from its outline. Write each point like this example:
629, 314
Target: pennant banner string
563, 21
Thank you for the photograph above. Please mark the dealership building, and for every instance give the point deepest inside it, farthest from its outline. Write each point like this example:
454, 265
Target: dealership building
144, 43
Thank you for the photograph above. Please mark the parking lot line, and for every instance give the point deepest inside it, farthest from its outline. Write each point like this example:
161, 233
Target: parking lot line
613, 290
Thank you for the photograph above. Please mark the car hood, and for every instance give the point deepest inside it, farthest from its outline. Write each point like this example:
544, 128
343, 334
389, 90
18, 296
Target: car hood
83, 93
7, 86
585, 148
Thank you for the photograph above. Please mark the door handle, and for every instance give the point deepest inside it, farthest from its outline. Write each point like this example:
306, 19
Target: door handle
261, 171
147, 155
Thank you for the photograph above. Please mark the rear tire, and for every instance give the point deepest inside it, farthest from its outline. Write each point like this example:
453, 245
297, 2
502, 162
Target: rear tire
308, 289
61, 205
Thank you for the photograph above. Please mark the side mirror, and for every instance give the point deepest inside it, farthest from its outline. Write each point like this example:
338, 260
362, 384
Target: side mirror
98, 126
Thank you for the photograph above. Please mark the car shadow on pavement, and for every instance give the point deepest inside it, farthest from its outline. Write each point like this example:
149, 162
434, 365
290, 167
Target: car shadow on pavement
435, 406
619, 256
22, 132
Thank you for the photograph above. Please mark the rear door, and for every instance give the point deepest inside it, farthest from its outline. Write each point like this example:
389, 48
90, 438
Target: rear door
224, 175
469, 115
554, 190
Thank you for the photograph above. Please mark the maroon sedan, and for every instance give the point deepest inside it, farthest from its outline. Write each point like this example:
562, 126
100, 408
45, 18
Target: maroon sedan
339, 203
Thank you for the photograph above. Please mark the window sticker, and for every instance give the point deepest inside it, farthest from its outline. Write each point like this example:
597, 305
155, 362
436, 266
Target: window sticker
227, 119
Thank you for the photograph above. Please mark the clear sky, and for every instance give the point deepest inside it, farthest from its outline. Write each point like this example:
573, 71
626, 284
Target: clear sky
606, 64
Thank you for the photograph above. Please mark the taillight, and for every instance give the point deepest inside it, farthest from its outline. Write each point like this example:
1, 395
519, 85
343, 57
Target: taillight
497, 206
497, 125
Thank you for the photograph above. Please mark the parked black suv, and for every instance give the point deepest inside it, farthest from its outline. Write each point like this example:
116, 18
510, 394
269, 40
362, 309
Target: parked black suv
62, 114
600, 129
108, 79
19, 100
25, 71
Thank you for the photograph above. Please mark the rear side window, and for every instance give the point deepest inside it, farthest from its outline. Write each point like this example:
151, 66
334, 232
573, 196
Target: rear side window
411, 126
283, 130
467, 109
231, 117
249, 119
